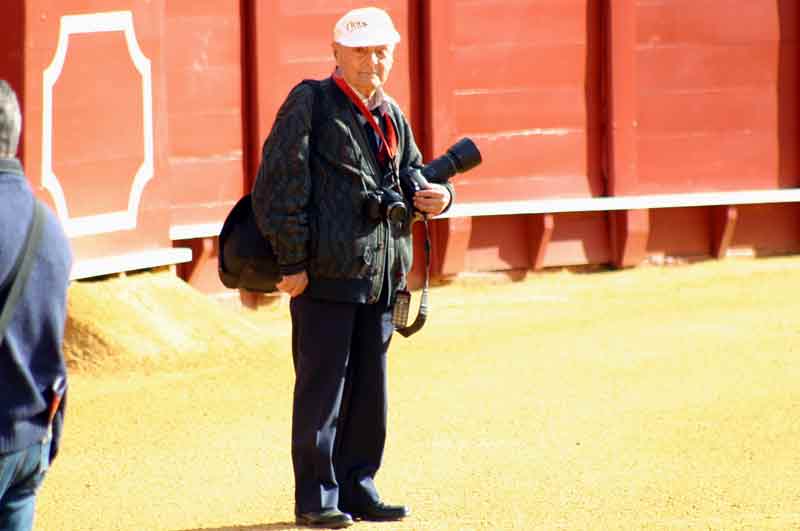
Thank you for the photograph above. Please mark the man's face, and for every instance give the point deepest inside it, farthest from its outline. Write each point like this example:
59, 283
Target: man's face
364, 68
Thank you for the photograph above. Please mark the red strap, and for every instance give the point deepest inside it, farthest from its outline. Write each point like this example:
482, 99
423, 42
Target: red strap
389, 141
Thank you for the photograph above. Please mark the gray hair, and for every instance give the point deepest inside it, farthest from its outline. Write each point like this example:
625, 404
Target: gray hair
10, 121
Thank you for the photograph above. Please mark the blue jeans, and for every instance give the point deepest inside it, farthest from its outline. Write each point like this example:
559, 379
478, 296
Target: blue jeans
21, 474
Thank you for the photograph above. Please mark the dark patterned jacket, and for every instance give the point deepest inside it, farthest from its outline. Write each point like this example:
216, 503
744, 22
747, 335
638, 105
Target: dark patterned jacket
308, 196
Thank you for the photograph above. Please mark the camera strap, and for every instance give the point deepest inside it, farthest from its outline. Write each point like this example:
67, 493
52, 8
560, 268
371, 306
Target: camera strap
388, 147
422, 313
23, 265
386, 155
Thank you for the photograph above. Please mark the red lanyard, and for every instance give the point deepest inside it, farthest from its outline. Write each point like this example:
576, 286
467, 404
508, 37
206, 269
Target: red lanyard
389, 141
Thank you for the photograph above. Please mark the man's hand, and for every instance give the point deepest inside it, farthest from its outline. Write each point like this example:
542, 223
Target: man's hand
432, 200
294, 285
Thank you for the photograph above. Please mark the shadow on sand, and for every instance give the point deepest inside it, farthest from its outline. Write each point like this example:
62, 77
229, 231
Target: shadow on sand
276, 526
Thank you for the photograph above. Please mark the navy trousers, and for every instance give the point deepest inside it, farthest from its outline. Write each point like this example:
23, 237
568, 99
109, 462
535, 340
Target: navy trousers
340, 400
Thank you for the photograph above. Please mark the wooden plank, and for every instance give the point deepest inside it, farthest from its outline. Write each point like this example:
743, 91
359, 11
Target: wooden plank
108, 265
598, 204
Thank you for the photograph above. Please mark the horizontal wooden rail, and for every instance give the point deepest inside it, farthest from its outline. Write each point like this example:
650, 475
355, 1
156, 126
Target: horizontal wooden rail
629, 221
109, 265
567, 204
634, 202
190, 232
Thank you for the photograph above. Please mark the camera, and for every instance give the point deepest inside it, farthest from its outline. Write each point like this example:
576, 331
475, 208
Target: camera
385, 203
462, 156
388, 203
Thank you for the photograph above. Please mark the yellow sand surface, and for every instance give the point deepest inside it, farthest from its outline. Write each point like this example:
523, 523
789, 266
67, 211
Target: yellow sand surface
653, 398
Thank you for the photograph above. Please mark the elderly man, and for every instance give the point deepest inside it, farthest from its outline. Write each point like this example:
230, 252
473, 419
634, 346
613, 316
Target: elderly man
32, 372
344, 254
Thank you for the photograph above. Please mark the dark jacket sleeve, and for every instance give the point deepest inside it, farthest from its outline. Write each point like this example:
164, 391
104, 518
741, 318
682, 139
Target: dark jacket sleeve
282, 188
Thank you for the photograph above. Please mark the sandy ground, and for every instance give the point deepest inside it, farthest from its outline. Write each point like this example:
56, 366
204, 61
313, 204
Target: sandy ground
655, 398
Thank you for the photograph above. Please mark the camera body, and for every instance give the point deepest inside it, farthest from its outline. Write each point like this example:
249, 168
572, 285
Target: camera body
387, 203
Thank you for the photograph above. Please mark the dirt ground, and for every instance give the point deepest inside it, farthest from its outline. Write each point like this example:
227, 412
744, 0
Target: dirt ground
654, 398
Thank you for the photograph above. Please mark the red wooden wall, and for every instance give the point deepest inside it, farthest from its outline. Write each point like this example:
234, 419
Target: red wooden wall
203, 40
523, 80
95, 121
144, 119
716, 109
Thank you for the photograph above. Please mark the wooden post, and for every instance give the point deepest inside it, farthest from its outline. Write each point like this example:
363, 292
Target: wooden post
723, 223
629, 229
540, 230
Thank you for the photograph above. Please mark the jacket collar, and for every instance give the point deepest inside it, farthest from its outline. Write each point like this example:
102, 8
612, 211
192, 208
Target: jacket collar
10, 166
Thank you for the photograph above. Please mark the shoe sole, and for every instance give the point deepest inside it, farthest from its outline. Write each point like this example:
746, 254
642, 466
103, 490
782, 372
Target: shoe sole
323, 525
359, 516
379, 519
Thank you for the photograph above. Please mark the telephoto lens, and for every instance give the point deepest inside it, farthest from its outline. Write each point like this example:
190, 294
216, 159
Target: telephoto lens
462, 156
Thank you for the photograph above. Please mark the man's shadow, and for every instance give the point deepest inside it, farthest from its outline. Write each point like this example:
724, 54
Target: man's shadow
276, 526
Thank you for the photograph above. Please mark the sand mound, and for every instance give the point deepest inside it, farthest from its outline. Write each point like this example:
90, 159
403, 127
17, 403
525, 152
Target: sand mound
154, 318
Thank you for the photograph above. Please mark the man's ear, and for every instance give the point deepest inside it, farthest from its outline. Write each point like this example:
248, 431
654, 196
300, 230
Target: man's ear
335, 48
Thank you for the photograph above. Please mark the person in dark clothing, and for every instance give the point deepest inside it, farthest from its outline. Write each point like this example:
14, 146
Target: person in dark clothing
333, 143
32, 370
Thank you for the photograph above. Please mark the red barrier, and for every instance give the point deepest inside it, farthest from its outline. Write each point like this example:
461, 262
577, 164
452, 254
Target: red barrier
144, 122
95, 122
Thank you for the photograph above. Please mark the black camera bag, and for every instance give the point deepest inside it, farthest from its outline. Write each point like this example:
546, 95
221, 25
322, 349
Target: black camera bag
246, 259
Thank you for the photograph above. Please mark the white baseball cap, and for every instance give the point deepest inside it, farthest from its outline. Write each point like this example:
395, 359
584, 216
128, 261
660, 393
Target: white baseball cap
366, 26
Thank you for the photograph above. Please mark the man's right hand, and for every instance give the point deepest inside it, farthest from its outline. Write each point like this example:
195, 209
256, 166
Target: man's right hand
294, 285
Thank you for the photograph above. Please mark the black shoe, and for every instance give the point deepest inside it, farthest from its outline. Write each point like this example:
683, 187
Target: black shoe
379, 512
329, 518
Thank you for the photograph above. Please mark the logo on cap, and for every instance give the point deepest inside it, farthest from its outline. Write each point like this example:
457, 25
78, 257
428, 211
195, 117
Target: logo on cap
355, 25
